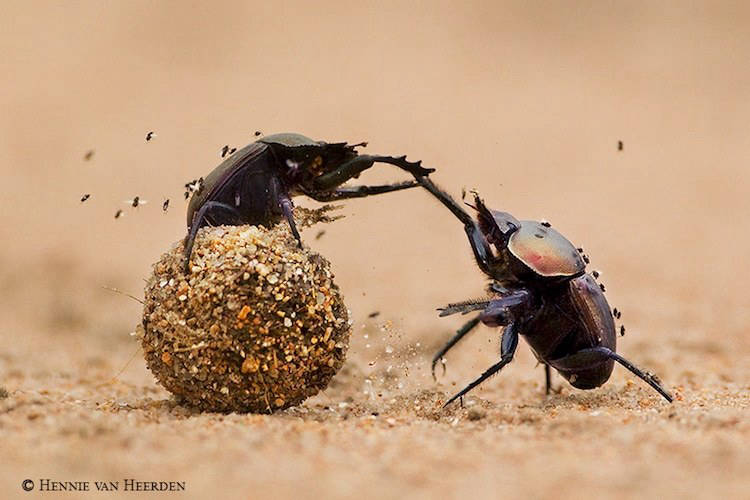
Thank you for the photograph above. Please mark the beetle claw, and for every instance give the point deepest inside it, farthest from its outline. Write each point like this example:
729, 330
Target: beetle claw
413, 167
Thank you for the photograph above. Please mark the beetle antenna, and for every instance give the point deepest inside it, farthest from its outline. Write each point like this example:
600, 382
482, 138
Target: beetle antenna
122, 293
117, 375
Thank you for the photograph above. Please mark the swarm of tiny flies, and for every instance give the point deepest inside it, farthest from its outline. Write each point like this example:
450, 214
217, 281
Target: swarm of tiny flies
258, 325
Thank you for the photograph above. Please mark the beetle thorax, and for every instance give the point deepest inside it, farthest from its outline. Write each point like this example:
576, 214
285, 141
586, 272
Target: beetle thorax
544, 251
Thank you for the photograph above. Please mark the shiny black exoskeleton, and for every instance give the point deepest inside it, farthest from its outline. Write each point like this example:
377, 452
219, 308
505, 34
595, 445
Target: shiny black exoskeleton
540, 290
256, 183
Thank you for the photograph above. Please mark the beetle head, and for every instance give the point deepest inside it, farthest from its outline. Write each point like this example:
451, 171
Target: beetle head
316, 162
497, 227
289, 140
303, 158
335, 154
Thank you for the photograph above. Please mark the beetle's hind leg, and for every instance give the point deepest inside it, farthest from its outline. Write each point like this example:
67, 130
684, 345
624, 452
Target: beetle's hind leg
466, 328
198, 221
585, 357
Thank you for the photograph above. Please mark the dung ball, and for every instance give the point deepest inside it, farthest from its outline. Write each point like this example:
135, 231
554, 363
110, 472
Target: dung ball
258, 325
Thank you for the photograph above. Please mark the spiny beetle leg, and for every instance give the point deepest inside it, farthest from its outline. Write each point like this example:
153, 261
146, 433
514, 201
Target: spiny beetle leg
288, 209
343, 173
586, 357
446, 200
463, 307
502, 310
466, 328
200, 216
413, 167
359, 164
362, 191
482, 253
507, 350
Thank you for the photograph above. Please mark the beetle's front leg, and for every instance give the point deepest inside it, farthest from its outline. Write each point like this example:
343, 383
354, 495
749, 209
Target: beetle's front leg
505, 309
343, 173
480, 247
415, 168
346, 192
359, 164
507, 350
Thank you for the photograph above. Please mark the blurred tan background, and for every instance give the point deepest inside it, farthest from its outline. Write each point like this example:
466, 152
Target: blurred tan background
525, 102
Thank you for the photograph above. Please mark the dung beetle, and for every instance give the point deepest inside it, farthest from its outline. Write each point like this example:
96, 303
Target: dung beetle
256, 183
540, 289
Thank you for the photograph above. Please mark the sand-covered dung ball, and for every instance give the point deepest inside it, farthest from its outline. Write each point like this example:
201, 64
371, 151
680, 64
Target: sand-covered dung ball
258, 325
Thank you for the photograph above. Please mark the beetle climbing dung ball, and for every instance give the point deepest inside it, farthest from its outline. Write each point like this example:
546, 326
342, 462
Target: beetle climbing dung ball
258, 324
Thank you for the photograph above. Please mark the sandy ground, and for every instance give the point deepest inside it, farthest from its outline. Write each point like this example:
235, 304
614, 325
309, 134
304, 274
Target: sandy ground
524, 103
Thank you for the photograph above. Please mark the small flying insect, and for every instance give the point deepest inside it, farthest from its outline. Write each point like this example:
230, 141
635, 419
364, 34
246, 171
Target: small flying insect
165, 205
258, 133
224, 151
620, 146
136, 202
85, 197
149, 136
89, 154
194, 186
118, 214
